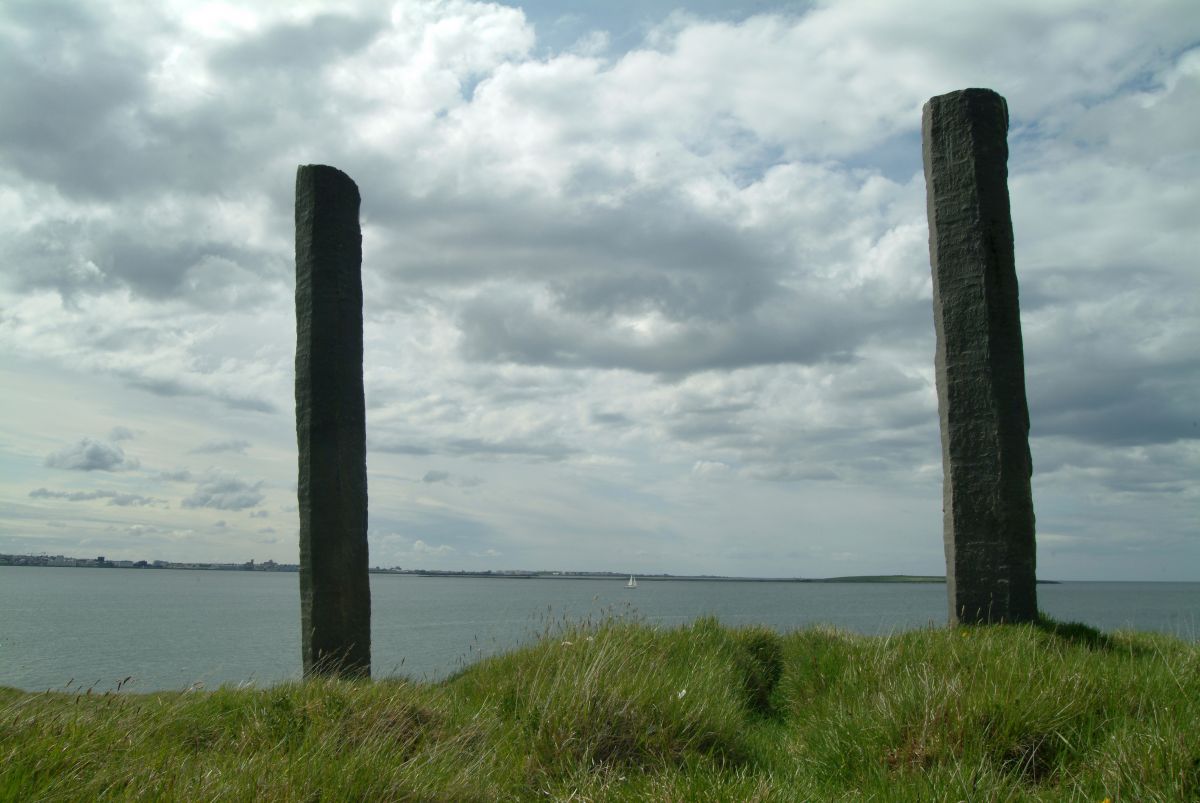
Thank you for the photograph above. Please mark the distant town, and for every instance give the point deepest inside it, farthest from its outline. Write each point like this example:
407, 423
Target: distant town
101, 562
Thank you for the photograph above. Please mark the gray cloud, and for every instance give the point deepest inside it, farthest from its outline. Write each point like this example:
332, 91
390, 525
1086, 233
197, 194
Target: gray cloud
534, 449
135, 500
396, 447
82, 257
610, 419
1150, 407
235, 446
435, 476
1110, 362
652, 249
162, 269
516, 333
177, 387
179, 475
121, 434
652, 284
62, 60
224, 492
114, 498
91, 455
480, 447
70, 496
288, 50
792, 473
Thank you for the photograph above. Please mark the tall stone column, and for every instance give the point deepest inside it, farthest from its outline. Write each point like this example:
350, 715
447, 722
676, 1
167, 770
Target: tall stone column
335, 596
988, 523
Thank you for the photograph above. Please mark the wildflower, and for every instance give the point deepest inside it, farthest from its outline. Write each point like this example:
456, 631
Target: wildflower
681, 693
567, 643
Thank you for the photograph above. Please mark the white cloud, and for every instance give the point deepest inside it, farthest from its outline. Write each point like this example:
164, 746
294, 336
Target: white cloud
419, 547
710, 469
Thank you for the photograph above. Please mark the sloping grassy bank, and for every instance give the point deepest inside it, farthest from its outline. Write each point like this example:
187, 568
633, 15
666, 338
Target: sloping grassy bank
620, 711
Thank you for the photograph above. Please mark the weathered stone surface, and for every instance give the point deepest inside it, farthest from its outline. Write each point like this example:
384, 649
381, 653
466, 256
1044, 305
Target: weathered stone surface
335, 597
988, 522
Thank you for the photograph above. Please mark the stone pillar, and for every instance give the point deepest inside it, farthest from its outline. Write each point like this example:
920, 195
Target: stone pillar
335, 596
987, 510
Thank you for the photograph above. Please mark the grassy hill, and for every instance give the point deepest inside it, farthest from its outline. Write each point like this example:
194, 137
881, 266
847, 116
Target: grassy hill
618, 710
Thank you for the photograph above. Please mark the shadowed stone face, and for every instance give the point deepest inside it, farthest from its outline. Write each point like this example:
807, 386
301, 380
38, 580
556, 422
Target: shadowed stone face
335, 598
987, 502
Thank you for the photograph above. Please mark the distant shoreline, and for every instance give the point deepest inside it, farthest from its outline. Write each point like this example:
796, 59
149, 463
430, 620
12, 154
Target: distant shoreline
859, 578
548, 575
61, 561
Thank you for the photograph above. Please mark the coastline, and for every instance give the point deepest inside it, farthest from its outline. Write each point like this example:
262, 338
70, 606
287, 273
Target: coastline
67, 562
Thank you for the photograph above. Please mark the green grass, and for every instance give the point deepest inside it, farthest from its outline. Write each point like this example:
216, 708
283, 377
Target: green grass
618, 710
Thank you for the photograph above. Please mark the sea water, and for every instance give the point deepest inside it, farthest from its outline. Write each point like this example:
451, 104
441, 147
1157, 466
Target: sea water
174, 629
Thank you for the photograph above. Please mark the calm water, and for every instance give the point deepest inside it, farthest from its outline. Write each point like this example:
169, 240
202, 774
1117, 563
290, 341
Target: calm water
170, 629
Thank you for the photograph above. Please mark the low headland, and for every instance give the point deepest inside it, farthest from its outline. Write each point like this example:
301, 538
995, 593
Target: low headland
618, 710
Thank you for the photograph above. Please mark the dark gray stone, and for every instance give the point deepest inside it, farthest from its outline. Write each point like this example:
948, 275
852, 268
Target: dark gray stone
988, 522
335, 597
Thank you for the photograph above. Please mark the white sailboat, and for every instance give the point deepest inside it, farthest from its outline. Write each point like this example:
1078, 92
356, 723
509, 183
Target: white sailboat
632, 582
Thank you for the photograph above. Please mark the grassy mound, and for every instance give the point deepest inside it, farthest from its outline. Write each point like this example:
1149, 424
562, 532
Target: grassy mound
619, 710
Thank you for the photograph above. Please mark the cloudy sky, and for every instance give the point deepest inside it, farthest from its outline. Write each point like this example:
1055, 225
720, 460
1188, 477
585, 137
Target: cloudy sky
647, 283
